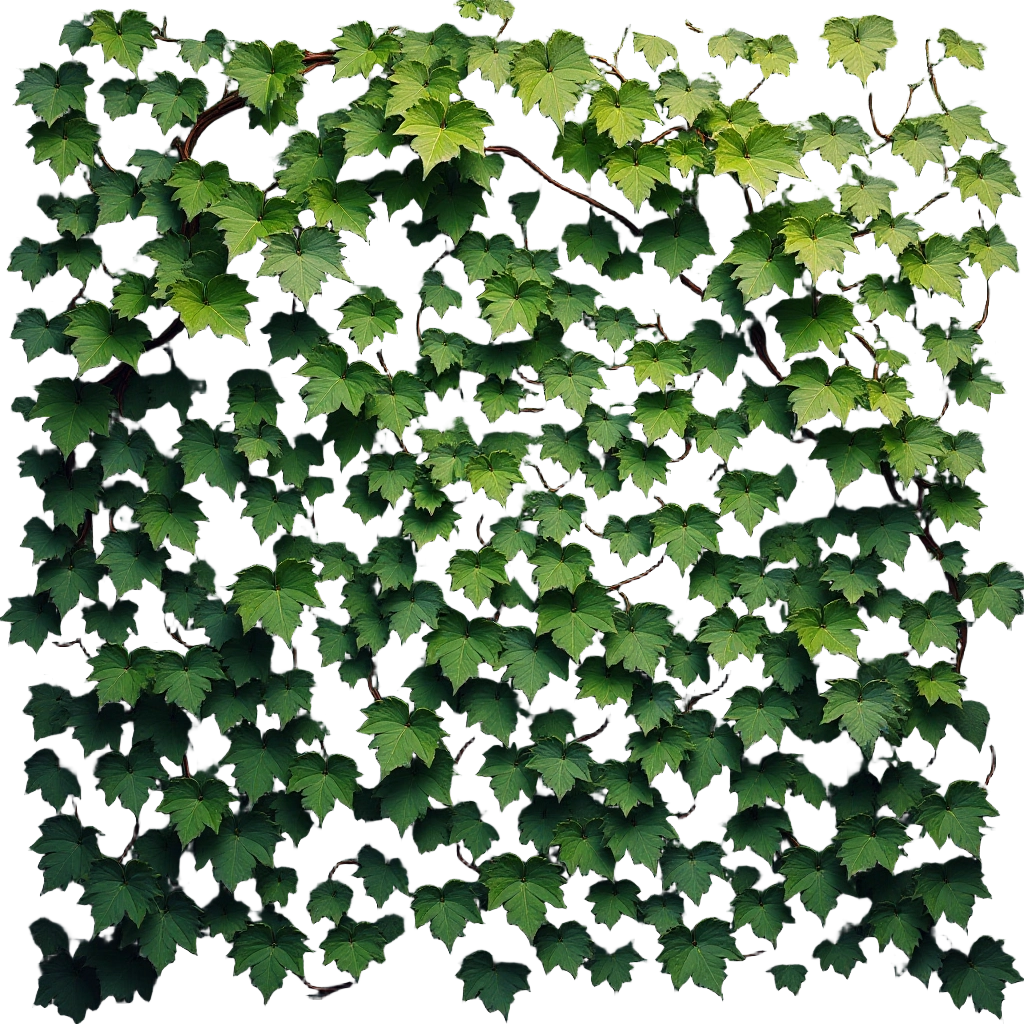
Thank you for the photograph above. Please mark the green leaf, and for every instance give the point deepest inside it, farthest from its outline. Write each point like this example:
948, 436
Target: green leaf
817, 877
560, 764
114, 890
621, 112
66, 143
522, 888
827, 628
837, 141
218, 304
637, 170
859, 44
934, 265
459, 646
323, 782
574, 618
123, 39
68, 850
864, 841
981, 974
398, 733
951, 888
494, 984
441, 129
759, 713
53, 782
760, 157
819, 391
819, 244
275, 597
381, 877
552, 75
959, 816
194, 806
52, 92
447, 909
263, 75
989, 178
269, 952
698, 955
70, 416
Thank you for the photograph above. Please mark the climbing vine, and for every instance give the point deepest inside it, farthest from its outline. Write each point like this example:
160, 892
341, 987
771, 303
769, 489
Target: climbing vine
523, 607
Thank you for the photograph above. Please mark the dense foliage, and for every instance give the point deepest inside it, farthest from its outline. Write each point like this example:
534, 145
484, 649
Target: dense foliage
523, 606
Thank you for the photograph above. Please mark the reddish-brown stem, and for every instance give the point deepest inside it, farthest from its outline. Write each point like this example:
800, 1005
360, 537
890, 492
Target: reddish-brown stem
687, 448
591, 735
874, 123
759, 340
984, 314
639, 576
666, 133
131, 842
463, 748
934, 199
510, 151
185, 773
176, 636
695, 288
71, 643
325, 990
610, 66
756, 87
74, 302
374, 692
347, 860
227, 104
479, 535
992, 770
469, 864
596, 533
685, 814
931, 76
865, 343
692, 702
547, 486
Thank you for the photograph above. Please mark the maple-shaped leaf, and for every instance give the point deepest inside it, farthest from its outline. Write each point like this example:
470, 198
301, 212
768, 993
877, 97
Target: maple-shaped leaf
989, 178
685, 533
269, 952
53, 91
864, 841
522, 888
836, 140
759, 158
636, 170
323, 782
494, 984
275, 597
360, 50
818, 878
760, 713
581, 847
865, 709
114, 890
130, 778
860, 44
819, 391
560, 764
72, 409
173, 518
460, 645
621, 112
552, 74
989, 249
698, 955
819, 244
574, 617
997, 591
919, 140
447, 909
959, 815
933, 621
123, 39
235, 851
100, 337
194, 806
68, 849
950, 888
758, 263
303, 261
53, 782
368, 316
263, 75
398, 733
827, 628
573, 380
729, 636
381, 877
218, 304
175, 922
981, 974
934, 264
440, 129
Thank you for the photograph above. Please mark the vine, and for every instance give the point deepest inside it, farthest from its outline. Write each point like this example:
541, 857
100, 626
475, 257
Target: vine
544, 615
